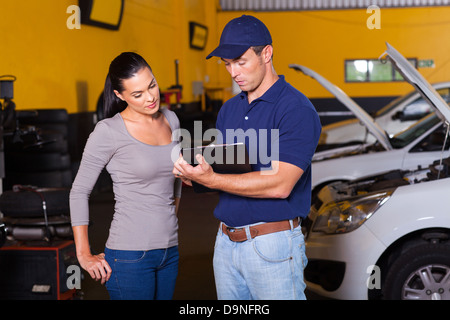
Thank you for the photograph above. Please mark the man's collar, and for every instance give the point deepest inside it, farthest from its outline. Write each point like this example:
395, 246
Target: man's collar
272, 93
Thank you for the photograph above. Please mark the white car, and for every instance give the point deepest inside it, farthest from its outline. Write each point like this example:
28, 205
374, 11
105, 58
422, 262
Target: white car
417, 145
396, 116
385, 236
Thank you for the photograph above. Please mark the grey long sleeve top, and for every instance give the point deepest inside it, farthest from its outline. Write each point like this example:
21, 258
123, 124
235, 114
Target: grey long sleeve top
143, 184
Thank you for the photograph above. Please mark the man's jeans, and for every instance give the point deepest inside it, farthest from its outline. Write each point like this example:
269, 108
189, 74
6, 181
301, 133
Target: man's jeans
142, 275
267, 267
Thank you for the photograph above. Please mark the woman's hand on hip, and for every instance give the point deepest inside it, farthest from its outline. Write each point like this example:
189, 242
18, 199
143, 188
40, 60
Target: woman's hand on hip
96, 266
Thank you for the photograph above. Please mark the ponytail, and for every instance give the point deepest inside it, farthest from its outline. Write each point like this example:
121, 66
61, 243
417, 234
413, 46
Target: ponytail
111, 103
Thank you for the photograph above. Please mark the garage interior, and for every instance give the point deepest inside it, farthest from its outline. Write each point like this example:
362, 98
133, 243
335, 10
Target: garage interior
53, 64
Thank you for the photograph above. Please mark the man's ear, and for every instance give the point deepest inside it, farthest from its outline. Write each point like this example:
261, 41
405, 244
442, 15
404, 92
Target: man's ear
267, 53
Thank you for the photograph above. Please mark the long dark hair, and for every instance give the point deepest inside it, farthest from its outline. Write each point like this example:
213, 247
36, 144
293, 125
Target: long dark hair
123, 67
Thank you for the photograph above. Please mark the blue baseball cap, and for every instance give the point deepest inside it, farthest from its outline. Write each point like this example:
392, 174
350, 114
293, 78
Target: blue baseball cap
239, 35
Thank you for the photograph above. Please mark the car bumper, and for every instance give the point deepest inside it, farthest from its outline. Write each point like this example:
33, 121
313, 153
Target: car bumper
340, 265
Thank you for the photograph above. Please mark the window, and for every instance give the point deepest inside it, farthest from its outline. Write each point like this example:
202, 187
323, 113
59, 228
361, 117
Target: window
433, 142
405, 137
372, 70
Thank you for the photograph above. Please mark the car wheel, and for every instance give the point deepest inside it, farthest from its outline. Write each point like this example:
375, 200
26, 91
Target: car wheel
49, 179
420, 273
36, 162
28, 203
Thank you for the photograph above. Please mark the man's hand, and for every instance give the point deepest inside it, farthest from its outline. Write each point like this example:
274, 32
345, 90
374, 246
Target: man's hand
202, 173
277, 182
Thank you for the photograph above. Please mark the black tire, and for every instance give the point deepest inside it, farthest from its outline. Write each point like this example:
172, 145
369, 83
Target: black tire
44, 116
50, 179
55, 120
62, 128
49, 142
405, 279
28, 204
36, 162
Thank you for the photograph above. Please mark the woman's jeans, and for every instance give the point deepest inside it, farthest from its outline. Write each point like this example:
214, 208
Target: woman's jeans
267, 267
142, 275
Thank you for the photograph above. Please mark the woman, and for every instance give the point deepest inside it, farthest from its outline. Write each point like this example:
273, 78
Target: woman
134, 143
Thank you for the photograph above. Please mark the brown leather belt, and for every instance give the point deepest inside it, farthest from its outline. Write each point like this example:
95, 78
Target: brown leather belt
239, 234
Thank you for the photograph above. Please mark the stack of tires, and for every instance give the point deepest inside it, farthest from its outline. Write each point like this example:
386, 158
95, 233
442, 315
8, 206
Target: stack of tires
40, 156
38, 176
31, 214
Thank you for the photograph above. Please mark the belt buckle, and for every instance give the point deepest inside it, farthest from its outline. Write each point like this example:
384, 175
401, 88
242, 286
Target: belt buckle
253, 232
231, 229
235, 234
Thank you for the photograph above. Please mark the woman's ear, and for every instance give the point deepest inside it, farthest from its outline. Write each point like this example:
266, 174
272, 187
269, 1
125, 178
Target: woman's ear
118, 95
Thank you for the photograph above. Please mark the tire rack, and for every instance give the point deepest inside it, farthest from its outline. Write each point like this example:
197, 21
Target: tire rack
40, 156
38, 177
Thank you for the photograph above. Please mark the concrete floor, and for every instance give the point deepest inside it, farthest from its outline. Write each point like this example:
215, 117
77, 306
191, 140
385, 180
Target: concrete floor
197, 232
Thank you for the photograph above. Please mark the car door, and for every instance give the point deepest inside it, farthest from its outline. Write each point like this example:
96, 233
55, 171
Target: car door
427, 148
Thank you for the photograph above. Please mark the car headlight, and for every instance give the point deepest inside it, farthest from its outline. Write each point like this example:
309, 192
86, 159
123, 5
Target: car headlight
348, 215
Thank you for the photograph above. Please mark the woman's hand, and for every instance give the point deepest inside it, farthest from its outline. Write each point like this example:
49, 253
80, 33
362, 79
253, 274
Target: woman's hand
96, 266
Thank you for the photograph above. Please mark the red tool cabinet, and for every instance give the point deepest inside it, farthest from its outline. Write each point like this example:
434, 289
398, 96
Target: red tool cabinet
36, 271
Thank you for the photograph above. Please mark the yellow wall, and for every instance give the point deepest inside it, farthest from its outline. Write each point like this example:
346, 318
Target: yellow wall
322, 40
61, 68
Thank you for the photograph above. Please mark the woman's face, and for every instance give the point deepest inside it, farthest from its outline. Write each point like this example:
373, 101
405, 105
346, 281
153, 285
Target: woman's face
141, 92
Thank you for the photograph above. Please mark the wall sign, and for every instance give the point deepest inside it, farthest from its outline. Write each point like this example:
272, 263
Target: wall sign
102, 13
198, 34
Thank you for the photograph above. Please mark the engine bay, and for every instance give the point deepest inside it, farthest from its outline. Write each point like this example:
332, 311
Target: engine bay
392, 179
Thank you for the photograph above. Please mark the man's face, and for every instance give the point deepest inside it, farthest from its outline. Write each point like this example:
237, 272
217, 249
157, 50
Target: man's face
248, 70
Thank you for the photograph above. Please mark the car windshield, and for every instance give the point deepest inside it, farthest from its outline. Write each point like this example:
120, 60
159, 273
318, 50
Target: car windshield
410, 134
418, 106
393, 104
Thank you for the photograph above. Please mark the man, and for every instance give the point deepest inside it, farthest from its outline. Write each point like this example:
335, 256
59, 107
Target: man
259, 251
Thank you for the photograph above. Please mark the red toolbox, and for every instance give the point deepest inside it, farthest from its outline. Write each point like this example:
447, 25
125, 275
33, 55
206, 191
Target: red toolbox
37, 270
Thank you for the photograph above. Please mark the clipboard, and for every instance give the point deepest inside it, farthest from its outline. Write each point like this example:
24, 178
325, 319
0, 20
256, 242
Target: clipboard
223, 158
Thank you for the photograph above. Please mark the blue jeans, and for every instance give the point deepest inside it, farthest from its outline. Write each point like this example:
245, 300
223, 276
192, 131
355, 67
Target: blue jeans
142, 275
267, 267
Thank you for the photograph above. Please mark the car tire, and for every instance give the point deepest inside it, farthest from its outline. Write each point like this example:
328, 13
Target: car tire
420, 273
48, 141
44, 116
48, 179
36, 162
29, 203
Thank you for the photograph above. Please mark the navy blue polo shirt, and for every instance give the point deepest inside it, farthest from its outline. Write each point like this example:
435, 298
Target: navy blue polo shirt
280, 125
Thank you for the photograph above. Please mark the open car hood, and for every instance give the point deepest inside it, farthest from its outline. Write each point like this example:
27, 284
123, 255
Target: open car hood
411, 75
357, 110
